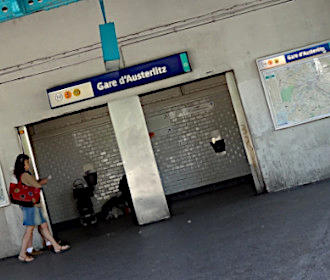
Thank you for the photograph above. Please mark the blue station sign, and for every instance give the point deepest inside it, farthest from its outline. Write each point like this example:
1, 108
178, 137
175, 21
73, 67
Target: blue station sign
122, 79
308, 52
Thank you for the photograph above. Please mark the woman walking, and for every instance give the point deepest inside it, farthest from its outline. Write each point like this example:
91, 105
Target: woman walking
32, 216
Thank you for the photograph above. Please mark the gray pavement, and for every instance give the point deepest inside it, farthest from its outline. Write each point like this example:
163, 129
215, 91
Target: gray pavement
226, 234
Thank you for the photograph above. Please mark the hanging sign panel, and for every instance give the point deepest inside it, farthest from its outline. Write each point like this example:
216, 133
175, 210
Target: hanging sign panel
297, 85
119, 80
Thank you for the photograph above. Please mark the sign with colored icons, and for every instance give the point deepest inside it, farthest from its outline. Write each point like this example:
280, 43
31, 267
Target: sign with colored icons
289, 57
70, 95
122, 79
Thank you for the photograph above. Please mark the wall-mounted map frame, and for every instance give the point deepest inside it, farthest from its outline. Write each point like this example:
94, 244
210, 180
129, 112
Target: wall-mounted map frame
297, 84
4, 199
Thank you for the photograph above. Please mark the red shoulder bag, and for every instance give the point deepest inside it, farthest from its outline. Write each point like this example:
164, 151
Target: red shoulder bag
24, 195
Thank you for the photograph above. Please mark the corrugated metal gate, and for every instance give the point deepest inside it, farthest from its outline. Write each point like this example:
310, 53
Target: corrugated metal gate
183, 120
63, 145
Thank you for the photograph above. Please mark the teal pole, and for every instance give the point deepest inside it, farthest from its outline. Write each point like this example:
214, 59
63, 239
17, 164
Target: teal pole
103, 10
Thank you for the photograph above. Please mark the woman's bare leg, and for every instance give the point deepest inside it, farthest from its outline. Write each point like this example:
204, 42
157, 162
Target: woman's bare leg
47, 235
44, 239
30, 243
26, 238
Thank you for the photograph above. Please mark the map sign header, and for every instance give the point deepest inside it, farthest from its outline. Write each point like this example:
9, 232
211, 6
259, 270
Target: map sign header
304, 53
294, 56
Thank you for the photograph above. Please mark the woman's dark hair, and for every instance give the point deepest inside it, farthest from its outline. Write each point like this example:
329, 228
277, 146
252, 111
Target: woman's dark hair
19, 165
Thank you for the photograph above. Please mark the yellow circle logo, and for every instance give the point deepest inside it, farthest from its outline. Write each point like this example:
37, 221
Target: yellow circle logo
76, 92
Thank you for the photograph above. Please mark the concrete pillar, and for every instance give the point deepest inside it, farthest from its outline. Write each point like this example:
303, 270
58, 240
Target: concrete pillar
245, 133
138, 159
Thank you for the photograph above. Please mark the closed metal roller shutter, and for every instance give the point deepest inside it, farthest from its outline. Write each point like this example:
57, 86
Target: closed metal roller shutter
182, 121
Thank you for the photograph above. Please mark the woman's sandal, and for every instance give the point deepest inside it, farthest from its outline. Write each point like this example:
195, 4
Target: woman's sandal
26, 259
63, 249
